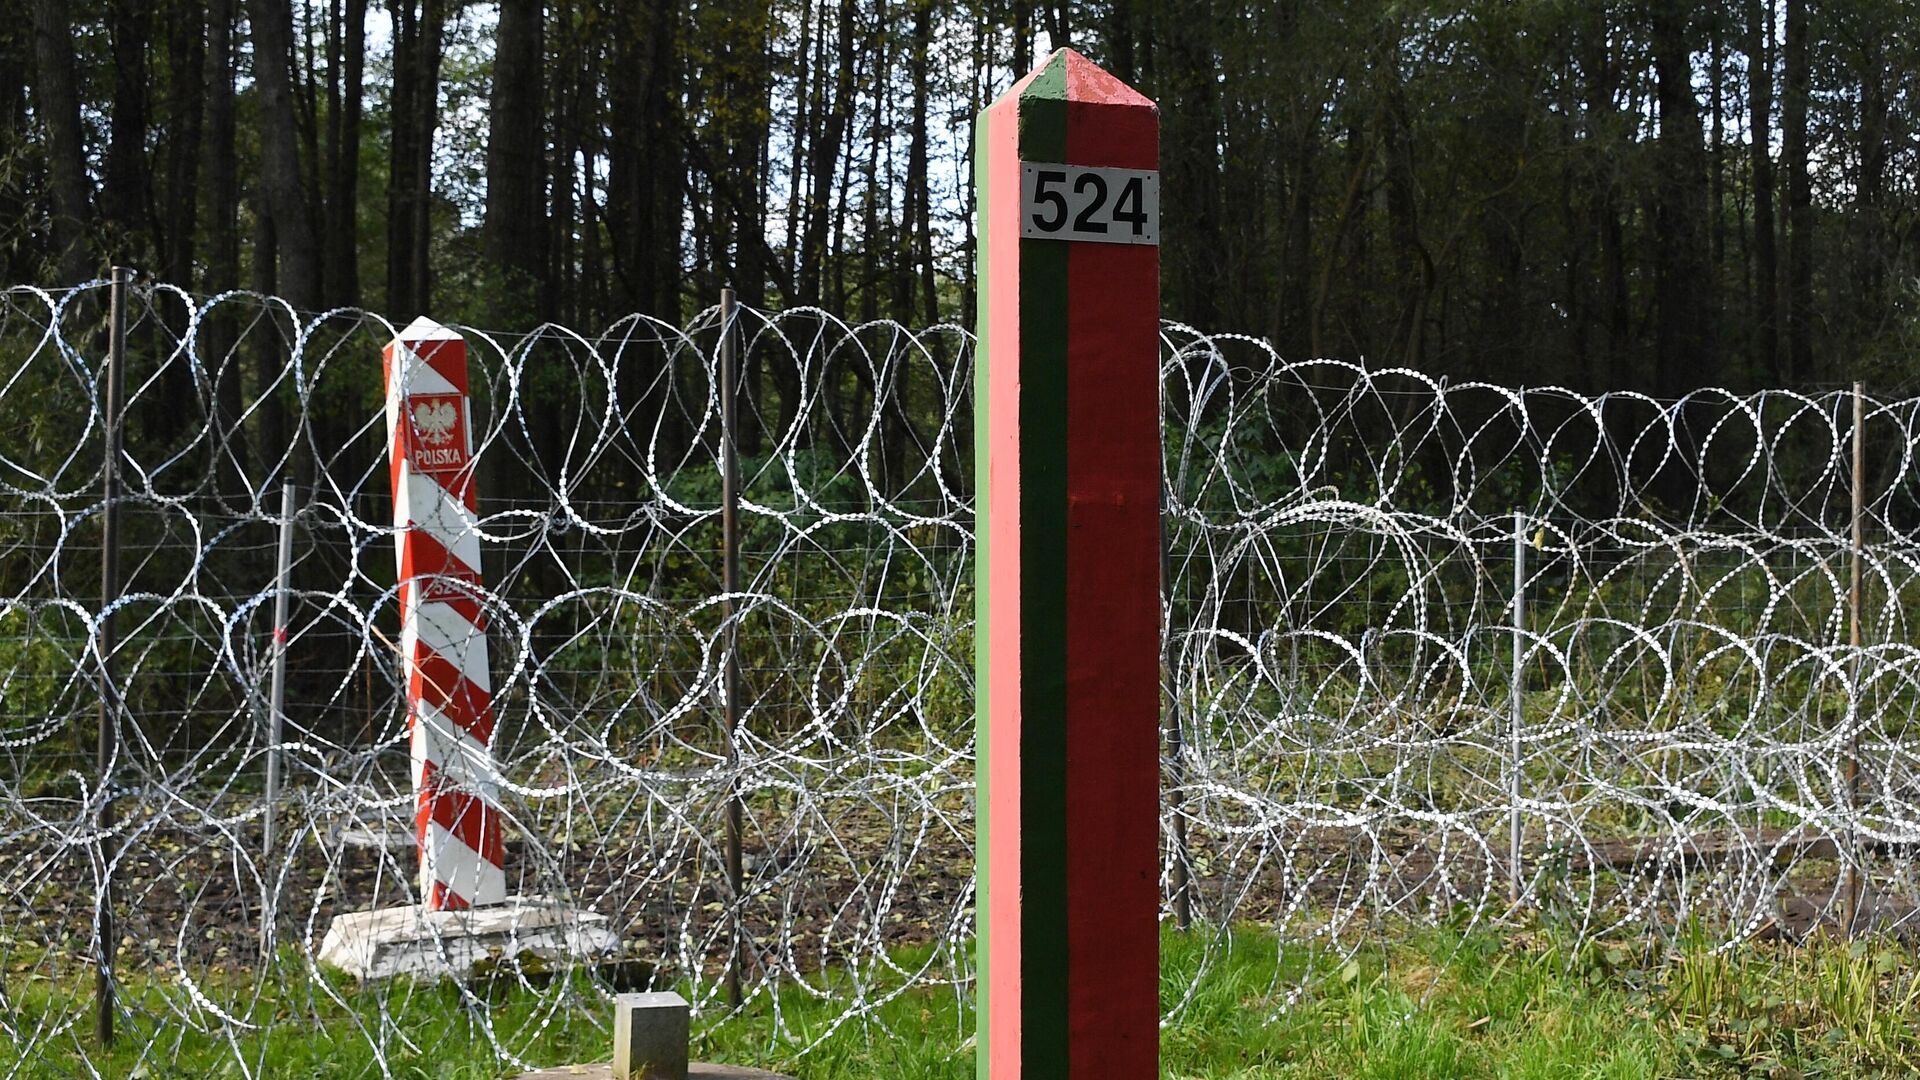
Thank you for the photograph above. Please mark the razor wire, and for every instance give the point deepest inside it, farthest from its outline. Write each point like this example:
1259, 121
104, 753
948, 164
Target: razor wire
1347, 745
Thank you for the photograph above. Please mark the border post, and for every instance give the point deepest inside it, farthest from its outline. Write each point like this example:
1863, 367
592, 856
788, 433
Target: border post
443, 627
1067, 668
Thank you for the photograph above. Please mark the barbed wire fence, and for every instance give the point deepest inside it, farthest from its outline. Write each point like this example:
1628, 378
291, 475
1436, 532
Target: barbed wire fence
1363, 712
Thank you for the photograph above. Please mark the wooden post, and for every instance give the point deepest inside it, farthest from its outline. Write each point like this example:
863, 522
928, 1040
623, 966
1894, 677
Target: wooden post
1067, 430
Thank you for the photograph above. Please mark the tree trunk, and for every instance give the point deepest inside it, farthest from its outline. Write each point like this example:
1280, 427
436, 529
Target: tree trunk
342, 242
1022, 38
870, 200
426, 122
1683, 272
1870, 268
919, 185
1191, 164
222, 188
1119, 32
1766, 273
1797, 88
264, 343
222, 193
56, 98
187, 38
516, 156
645, 175
565, 225
667, 182
1600, 178
124, 186
417, 28
280, 174
16, 74
1716, 143
822, 167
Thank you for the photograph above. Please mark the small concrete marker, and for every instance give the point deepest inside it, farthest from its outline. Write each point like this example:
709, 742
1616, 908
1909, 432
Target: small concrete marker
650, 1037
1067, 661
650, 1033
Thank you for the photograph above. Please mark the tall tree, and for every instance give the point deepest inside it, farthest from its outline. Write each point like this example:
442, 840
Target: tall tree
17, 247
918, 258
124, 190
1766, 270
187, 36
1190, 143
417, 29
221, 191
1796, 93
341, 244
822, 165
645, 171
222, 166
516, 225
56, 98
280, 174
1683, 271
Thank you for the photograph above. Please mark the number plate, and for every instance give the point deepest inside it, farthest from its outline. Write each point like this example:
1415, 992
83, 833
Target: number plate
1074, 202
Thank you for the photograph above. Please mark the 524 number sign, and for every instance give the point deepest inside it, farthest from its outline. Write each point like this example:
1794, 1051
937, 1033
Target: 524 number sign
1075, 202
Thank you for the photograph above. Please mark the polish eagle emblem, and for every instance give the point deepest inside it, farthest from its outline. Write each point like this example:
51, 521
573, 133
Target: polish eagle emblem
435, 421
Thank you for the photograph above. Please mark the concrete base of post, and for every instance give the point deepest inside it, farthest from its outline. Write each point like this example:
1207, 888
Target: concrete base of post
422, 944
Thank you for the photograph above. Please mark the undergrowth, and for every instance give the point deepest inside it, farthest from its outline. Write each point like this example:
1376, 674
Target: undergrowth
1528, 1004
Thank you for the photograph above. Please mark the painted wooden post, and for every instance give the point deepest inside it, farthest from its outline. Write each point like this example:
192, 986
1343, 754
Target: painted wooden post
443, 629
1067, 663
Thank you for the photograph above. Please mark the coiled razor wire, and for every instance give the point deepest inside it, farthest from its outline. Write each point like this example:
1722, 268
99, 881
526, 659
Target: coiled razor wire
1341, 703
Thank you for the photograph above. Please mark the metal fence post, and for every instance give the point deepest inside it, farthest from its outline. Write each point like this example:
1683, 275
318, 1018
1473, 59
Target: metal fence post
1850, 901
730, 582
122, 279
1514, 869
1176, 743
281, 598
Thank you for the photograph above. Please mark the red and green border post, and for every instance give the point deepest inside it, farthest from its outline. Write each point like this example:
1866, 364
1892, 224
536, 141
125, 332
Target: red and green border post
1068, 658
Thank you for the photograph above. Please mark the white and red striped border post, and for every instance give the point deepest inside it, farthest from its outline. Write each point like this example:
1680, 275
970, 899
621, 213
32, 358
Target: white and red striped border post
443, 635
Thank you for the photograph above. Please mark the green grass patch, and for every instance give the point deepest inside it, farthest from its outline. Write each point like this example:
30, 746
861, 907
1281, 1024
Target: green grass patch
1436, 1003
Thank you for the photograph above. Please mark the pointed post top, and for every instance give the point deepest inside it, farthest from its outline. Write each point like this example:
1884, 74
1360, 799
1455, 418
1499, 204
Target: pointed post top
425, 329
1066, 75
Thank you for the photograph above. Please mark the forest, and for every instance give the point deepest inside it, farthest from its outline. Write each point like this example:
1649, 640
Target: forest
1602, 195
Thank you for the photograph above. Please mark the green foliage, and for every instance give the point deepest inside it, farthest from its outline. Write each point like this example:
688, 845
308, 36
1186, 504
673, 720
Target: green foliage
1515, 1004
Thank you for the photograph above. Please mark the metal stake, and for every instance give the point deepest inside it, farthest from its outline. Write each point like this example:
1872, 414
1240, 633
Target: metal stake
1176, 746
1850, 902
730, 582
281, 598
122, 279
1515, 718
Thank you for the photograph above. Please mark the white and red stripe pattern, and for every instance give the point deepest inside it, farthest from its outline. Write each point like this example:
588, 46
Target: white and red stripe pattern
443, 629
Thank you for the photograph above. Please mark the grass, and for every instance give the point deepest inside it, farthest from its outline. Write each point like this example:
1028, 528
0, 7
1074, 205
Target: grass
1437, 1003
